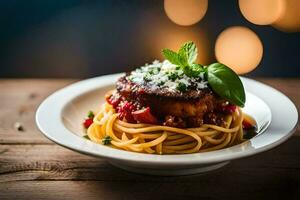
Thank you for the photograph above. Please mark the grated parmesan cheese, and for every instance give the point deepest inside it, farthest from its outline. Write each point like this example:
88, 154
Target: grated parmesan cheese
165, 75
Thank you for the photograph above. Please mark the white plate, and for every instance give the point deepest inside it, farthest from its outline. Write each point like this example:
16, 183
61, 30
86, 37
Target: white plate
60, 117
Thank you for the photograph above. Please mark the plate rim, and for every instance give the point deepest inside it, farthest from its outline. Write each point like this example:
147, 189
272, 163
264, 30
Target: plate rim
85, 146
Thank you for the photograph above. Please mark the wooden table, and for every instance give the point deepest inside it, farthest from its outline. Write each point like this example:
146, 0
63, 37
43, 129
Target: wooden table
32, 167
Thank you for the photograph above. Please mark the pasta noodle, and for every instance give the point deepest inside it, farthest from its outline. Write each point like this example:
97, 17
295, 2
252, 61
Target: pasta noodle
149, 138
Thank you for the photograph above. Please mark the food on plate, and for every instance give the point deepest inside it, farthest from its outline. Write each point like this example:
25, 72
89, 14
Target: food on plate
176, 106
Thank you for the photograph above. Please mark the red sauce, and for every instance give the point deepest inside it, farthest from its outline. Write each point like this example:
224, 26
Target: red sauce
249, 126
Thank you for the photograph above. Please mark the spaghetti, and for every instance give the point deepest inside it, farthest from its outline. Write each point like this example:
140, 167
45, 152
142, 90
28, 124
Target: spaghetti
158, 139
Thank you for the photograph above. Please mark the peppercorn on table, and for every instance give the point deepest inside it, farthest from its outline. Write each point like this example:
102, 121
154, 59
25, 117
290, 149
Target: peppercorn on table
33, 167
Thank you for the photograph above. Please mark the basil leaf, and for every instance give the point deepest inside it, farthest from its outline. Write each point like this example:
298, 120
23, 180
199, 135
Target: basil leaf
106, 140
226, 83
172, 56
173, 76
181, 87
188, 54
193, 71
196, 69
91, 115
87, 137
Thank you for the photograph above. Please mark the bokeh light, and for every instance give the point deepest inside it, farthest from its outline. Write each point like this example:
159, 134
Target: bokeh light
262, 12
290, 20
185, 12
239, 48
172, 36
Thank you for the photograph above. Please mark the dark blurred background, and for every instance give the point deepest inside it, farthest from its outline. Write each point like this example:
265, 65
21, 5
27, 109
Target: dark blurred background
79, 39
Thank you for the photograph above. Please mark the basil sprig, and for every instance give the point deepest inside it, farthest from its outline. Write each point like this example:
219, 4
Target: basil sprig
222, 80
185, 59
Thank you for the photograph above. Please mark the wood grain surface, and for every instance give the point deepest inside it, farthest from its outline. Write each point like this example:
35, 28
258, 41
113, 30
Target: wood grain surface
32, 167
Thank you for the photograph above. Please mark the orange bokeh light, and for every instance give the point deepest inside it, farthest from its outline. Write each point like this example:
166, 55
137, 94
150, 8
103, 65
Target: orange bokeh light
281, 14
239, 48
262, 12
156, 33
174, 38
185, 12
290, 20
170, 36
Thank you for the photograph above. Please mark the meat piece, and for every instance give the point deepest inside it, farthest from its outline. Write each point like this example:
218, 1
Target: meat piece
127, 87
174, 121
214, 118
165, 102
173, 108
179, 107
